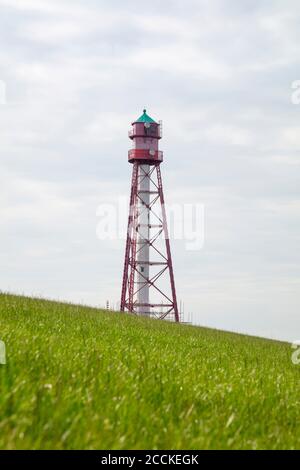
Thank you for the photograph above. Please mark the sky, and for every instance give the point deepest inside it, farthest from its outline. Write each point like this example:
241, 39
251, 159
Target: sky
220, 74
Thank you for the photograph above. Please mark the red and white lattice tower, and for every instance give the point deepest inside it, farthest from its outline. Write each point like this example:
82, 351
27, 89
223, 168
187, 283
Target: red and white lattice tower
148, 280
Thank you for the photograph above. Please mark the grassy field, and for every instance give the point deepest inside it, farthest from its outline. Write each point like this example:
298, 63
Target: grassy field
80, 378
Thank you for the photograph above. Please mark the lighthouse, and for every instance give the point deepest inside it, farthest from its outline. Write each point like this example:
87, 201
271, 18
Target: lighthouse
148, 286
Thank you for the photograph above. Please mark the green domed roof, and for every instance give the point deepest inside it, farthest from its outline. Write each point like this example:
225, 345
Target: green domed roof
145, 118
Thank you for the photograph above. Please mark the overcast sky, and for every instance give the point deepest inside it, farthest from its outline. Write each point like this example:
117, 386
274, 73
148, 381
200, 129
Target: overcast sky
219, 74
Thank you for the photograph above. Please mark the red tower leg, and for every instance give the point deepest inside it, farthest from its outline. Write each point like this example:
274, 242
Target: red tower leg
129, 234
168, 247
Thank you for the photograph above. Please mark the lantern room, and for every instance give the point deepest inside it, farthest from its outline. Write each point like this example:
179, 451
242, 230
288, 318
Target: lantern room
145, 135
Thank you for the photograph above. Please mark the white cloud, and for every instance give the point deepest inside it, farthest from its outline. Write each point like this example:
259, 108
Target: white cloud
41, 6
53, 32
106, 127
181, 59
229, 135
291, 138
219, 75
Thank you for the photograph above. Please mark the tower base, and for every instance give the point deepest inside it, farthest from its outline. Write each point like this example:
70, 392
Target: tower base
148, 286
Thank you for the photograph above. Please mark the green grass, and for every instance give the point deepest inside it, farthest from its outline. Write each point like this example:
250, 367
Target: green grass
80, 378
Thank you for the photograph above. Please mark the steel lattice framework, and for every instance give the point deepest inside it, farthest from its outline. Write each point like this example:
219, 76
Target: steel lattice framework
148, 270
